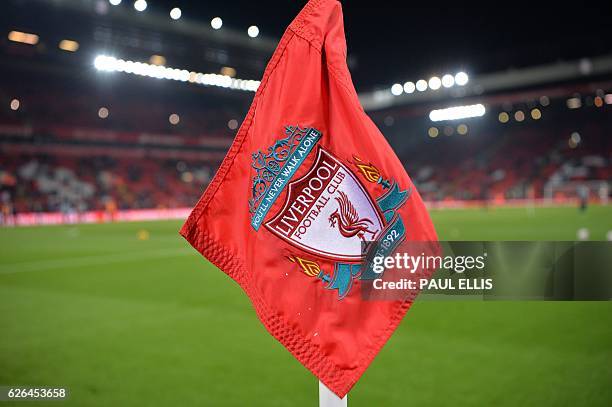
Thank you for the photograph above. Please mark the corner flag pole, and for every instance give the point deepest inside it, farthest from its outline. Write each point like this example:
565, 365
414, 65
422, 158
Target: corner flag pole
328, 399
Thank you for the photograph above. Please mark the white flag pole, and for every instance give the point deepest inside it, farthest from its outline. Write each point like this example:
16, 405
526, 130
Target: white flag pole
327, 398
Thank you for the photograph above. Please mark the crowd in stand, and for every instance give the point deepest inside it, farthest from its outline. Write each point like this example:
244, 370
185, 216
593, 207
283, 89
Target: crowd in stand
518, 165
521, 167
37, 183
92, 164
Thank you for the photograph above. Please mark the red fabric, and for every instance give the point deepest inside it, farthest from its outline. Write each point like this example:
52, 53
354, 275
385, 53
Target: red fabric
307, 84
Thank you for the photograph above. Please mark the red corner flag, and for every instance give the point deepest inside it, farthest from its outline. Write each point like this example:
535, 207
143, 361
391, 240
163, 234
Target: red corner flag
307, 179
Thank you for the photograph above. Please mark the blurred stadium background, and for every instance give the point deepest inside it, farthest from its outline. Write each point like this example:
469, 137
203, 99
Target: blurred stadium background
122, 110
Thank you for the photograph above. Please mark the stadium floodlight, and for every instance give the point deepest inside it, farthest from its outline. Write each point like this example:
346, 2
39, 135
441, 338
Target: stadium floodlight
503, 117
22, 37
448, 80
228, 71
397, 89
114, 2
68, 45
140, 5
157, 60
103, 112
175, 13
253, 31
435, 83
457, 112
519, 116
111, 64
461, 78
174, 119
409, 87
421, 85
216, 23
103, 63
574, 103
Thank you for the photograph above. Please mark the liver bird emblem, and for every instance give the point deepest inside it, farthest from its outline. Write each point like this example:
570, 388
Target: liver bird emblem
348, 221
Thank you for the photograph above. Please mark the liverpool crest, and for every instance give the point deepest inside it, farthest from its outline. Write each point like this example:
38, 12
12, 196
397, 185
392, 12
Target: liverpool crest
327, 213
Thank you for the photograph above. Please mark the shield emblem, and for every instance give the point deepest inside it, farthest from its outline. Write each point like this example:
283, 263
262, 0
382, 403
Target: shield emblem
327, 212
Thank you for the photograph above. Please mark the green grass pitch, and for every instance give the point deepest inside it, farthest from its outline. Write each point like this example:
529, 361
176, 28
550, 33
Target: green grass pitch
123, 321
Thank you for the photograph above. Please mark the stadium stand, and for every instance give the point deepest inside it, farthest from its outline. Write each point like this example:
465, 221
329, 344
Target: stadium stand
76, 184
71, 169
520, 165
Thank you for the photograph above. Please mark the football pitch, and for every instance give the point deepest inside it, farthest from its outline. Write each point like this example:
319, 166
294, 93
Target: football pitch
129, 315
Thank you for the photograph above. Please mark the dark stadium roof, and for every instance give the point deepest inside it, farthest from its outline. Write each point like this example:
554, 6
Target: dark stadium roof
391, 41
387, 42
